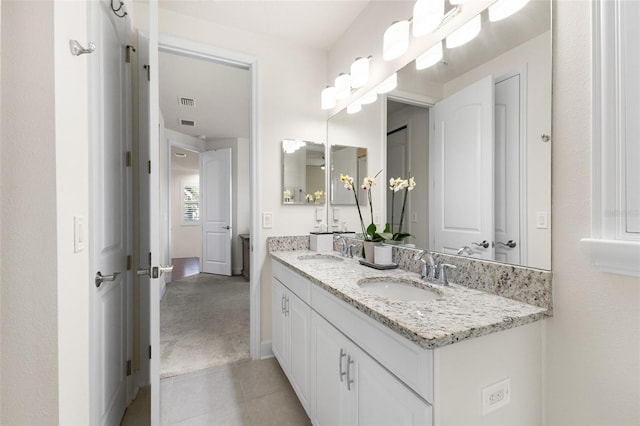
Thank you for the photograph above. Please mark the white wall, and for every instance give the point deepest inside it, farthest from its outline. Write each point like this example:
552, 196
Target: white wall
534, 54
29, 325
417, 121
45, 286
593, 347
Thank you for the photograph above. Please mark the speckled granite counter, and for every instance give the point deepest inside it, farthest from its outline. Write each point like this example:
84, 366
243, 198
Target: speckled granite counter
460, 314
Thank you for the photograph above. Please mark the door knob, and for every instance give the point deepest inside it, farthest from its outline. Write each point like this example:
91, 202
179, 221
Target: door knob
102, 278
483, 244
226, 227
157, 271
510, 244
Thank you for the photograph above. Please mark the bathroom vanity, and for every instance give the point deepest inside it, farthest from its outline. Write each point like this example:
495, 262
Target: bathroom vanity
356, 356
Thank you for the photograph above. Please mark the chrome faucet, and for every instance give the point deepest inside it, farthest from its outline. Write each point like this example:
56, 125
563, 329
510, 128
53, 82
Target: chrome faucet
345, 249
428, 268
465, 250
442, 276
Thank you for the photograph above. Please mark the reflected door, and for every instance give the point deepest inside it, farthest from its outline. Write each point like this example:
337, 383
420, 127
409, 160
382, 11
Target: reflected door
461, 171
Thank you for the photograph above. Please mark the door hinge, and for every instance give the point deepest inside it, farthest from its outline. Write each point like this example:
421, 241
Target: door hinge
148, 68
149, 166
149, 351
127, 159
127, 53
129, 262
128, 368
149, 260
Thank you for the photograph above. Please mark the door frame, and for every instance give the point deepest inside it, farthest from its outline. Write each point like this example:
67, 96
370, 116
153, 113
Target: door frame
228, 57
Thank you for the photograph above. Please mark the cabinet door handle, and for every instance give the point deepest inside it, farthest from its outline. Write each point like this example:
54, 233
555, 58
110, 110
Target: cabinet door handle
342, 373
282, 303
349, 379
286, 306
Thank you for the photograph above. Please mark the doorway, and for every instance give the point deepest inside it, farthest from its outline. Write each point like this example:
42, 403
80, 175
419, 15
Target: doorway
205, 110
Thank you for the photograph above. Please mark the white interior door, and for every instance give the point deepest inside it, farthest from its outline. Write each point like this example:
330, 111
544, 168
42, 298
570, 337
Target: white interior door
397, 167
215, 214
149, 271
507, 170
461, 171
109, 91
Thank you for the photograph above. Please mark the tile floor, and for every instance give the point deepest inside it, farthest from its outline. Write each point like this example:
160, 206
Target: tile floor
246, 393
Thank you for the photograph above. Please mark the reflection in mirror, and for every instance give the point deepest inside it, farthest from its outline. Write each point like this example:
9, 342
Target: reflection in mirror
478, 194
350, 161
303, 172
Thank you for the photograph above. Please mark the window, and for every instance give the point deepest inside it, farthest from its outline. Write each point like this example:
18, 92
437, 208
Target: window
190, 203
615, 236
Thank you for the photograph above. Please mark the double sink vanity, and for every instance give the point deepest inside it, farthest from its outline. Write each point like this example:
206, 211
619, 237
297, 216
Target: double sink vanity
362, 346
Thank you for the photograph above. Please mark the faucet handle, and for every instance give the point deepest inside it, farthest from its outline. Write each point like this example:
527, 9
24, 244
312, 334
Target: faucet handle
442, 276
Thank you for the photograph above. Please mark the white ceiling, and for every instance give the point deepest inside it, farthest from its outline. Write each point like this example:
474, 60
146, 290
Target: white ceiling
221, 94
313, 23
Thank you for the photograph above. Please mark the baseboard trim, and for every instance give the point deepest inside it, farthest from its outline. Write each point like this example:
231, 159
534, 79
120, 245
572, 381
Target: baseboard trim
265, 350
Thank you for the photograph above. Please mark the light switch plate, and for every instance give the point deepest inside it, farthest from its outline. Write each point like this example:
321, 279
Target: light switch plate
336, 214
319, 214
267, 220
79, 234
542, 220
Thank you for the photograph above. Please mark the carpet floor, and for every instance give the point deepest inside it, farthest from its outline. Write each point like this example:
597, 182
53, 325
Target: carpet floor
204, 323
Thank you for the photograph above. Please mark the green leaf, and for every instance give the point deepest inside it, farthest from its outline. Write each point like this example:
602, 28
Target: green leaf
399, 236
387, 228
371, 230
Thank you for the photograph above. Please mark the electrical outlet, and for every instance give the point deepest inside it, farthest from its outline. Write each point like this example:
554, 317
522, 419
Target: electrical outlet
496, 396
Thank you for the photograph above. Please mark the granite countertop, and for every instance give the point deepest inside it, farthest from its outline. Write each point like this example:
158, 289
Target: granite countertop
461, 313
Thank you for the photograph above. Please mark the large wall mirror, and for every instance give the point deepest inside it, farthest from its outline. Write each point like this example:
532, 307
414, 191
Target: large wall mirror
474, 130
303, 172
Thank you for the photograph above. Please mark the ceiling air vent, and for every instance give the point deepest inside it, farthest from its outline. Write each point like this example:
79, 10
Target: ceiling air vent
186, 102
189, 123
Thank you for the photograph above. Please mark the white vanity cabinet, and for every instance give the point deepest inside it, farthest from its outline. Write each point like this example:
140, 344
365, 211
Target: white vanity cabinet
349, 369
291, 325
351, 388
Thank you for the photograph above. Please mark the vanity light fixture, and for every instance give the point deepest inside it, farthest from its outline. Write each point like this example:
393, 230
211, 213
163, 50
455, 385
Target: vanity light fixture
430, 57
465, 33
343, 86
396, 40
370, 97
360, 72
328, 97
505, 8
388, 85
354, 107
427, 16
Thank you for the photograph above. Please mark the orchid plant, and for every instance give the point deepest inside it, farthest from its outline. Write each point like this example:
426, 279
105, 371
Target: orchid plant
396, 185
369, 233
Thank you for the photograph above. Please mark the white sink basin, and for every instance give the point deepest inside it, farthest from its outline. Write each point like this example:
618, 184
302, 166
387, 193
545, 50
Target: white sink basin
320, 258
399, 289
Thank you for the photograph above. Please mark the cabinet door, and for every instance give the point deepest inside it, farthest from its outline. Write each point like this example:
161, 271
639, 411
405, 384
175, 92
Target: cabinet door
330, 397
382, 399
298, 327
278, 323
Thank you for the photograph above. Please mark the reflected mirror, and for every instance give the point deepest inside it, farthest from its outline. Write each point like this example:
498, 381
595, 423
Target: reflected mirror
478, 194
350, 161
303, 172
